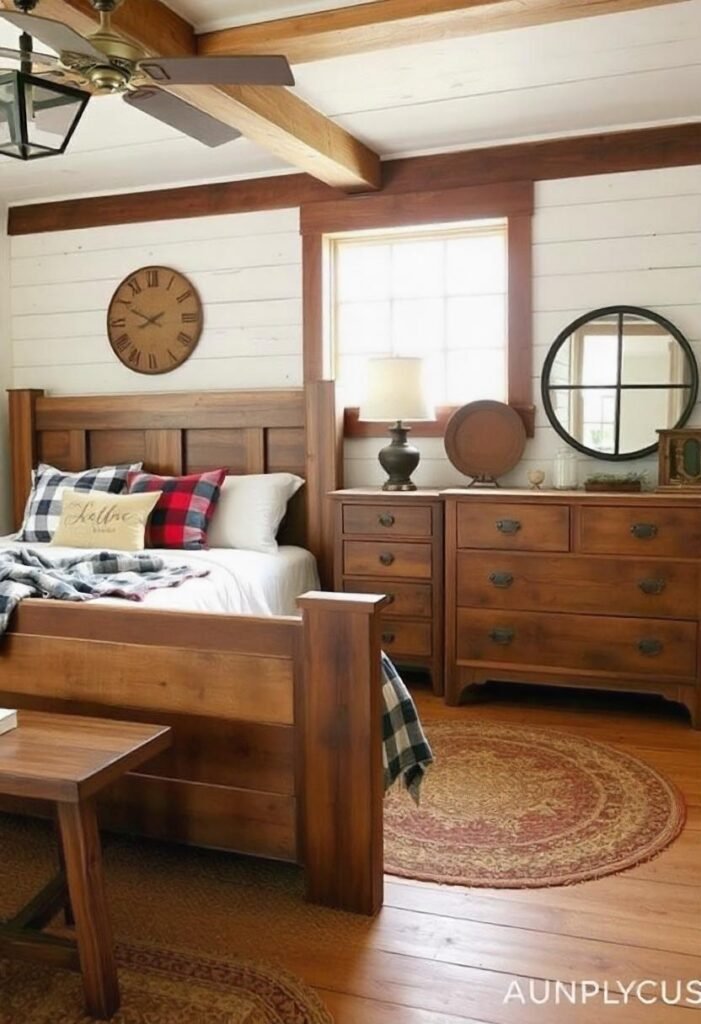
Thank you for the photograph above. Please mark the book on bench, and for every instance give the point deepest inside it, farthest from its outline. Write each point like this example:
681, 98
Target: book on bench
8, 720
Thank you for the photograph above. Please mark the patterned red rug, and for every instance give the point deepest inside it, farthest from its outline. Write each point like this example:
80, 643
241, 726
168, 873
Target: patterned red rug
163, 987
512, 807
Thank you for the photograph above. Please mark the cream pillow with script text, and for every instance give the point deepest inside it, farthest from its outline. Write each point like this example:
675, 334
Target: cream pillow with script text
94, 520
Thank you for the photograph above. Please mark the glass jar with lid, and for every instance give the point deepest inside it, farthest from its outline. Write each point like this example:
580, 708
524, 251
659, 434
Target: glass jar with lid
565, 475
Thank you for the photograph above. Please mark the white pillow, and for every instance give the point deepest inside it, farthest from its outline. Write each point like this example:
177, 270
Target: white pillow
250, 510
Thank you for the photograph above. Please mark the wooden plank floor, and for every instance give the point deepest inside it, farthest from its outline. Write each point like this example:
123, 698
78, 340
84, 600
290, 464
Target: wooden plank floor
446, 955
440, 954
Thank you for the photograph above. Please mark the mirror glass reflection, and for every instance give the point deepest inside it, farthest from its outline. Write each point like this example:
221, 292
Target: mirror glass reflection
611, 380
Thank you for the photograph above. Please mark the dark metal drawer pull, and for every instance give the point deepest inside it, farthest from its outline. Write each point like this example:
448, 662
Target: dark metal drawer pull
644, 531
386, 519
508, 525
650, 647
388, 638
652, 586
386, 558
501, 579
502, 636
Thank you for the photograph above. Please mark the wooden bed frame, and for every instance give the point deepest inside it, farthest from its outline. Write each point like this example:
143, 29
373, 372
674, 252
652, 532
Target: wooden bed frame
277, 721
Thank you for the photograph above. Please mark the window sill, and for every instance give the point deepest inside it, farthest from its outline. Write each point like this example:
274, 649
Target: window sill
354, 427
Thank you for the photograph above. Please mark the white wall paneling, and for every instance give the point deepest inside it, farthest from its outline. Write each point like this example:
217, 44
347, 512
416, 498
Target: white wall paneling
619, 238
247, 268
631, 238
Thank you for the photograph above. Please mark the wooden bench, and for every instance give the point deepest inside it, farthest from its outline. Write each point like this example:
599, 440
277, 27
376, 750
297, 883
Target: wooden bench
69, 760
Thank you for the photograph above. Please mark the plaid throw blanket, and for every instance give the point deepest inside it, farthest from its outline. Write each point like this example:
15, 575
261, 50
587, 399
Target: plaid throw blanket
28, 573
405, 750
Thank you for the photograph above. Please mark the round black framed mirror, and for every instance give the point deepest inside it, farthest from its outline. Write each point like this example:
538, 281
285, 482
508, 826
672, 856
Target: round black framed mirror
614, 377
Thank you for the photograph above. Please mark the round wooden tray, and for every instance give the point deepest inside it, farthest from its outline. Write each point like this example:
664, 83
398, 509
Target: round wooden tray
485, 439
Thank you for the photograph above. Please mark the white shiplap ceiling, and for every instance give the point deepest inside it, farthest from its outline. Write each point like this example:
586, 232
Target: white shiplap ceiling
209, 15
615, 71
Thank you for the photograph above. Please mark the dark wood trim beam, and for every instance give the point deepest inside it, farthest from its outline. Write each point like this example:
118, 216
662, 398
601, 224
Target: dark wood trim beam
635, 150
276, 119
273, 193
639, 149
506, 199
390, 23
520, 310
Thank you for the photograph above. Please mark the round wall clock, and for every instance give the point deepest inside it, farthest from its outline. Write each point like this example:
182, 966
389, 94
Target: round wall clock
154, 320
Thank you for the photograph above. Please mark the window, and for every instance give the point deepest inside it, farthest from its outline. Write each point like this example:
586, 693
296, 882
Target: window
443, 273
439, 292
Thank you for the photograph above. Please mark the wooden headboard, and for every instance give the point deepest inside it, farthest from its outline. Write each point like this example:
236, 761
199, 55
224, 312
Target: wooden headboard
296, 431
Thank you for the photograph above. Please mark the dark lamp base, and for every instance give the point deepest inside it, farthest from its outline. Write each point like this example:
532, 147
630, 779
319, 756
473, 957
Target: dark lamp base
399, 460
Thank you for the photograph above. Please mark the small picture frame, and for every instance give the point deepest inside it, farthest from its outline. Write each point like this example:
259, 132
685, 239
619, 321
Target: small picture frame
680, 459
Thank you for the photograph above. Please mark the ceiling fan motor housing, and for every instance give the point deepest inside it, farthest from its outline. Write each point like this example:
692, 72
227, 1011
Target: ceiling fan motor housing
103, 6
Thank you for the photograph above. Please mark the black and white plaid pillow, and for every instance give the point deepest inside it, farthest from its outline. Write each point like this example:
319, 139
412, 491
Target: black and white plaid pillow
43, 509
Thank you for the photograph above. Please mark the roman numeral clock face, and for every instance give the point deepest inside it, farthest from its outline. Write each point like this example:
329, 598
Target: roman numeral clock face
154, 320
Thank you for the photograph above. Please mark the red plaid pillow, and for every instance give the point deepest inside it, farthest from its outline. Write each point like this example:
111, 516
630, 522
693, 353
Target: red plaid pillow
182, 515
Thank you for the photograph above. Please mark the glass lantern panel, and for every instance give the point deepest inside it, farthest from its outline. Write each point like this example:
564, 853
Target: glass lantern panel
10, 134
50, 116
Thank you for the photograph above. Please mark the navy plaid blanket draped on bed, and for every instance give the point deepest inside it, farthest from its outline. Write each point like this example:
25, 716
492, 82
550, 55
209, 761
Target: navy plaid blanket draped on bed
84, 577
29, 573
405, 750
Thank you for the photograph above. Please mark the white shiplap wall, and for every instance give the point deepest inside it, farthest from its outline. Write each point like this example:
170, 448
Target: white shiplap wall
629, 238
246, 266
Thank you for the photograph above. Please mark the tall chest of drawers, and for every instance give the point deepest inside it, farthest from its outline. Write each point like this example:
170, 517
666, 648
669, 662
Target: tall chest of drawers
392, 543
575, 589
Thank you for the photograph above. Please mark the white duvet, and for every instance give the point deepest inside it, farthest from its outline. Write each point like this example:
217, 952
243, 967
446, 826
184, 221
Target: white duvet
239, 582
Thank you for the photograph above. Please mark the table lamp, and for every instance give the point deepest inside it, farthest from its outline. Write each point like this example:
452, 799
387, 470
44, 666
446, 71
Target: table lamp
396, 391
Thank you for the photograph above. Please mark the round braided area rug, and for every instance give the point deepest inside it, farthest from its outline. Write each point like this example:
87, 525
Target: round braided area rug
512, 807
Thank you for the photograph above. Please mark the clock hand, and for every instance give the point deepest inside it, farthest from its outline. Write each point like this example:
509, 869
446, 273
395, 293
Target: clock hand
149, 320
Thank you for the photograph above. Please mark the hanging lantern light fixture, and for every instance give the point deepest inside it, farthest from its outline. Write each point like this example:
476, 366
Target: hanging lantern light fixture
37, 116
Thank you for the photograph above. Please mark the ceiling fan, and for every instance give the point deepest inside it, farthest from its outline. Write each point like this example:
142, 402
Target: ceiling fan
105, 62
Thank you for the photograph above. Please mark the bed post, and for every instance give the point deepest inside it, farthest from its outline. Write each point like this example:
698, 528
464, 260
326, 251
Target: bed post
341, 751
324, 439
23, 453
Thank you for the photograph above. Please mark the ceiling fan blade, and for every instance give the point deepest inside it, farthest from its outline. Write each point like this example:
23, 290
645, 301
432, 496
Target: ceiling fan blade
53, 34
219, 70
45, 59
181, 115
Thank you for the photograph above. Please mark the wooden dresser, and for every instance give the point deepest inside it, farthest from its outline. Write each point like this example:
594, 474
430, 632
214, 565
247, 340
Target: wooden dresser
392, 543
576, 589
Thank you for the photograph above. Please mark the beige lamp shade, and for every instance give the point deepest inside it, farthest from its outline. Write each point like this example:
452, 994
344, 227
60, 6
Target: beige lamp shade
396, 390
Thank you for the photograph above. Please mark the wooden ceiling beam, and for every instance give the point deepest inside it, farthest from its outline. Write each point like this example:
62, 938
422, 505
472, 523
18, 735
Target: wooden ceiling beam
385, 24
273, 117
579, 156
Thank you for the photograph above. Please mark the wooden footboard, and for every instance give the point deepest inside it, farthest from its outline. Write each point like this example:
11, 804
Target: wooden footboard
276, 722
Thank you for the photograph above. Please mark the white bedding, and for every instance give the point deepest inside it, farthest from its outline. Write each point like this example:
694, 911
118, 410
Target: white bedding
239, 582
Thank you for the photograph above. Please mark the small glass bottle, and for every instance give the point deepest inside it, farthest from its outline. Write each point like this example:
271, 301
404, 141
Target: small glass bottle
565, 470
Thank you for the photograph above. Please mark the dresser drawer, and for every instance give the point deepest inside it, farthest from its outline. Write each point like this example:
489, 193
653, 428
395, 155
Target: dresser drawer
615, 586
413, 600
389, 560
483, 524
586, 643
386, 520
640, 530
412, 639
